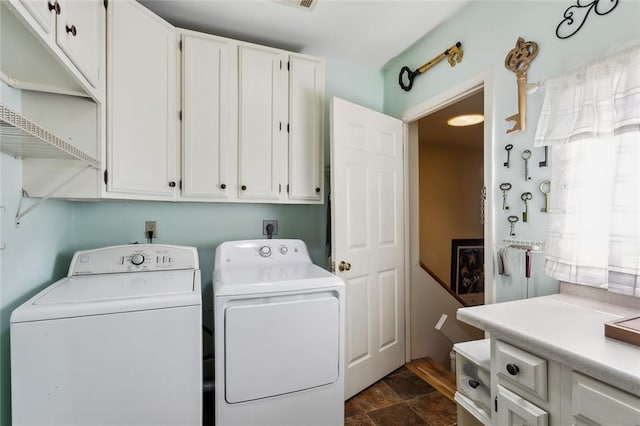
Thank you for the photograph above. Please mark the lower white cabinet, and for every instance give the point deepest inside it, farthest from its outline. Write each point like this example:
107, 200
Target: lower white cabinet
513, 410
593, 402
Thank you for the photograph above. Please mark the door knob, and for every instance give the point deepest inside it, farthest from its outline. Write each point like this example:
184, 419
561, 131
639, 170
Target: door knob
344, 266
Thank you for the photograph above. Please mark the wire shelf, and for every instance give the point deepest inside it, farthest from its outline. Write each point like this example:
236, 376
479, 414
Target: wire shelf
21, 137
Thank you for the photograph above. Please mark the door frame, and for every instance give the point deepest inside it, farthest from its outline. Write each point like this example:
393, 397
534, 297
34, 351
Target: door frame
410, 118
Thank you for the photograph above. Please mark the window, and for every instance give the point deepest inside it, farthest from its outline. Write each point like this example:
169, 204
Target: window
591, 120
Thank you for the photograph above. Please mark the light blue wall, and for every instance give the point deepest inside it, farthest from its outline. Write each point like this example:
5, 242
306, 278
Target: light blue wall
35, 253
488, 30
39, 252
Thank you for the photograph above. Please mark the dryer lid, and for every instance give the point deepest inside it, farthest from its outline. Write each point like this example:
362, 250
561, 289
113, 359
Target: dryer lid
112, 293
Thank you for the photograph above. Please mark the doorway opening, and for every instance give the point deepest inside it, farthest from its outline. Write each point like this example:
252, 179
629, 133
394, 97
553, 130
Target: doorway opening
451, 197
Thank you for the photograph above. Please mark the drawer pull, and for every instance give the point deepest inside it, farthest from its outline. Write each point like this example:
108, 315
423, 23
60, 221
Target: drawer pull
512, 369
223, 186
474, 383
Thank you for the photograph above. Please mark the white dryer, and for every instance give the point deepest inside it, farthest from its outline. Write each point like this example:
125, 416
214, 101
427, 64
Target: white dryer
279, 336
116, 342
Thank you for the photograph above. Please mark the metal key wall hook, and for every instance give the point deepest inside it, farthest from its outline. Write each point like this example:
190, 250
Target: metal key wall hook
453, 55
518, 60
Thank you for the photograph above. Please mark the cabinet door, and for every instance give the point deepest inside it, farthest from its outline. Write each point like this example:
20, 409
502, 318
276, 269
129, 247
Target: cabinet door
142, 110
79, 29
514, 410
205, 118
262, 101
39, 10
306, 143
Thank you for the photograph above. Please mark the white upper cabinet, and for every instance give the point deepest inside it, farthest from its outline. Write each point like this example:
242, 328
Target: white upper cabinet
79, 34
306, 126
262, 115
208, 156
280, 113
77, 27
142, 113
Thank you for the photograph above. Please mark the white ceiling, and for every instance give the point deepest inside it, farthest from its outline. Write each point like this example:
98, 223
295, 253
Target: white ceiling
366, 32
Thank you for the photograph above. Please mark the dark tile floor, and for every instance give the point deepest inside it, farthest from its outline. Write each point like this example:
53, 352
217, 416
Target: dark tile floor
401, 398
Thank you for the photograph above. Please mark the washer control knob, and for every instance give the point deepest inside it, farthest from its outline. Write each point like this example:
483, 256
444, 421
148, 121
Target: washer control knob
137, 259
284, 249
265, 251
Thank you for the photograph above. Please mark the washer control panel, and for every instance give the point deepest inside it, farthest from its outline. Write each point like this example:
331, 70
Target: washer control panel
133, 258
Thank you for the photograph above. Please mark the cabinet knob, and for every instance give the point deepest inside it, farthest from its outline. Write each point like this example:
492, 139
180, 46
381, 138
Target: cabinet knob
223, 186
318, 189
71, 29
512, 369
172, 184
474, 383
54, 6
243, 187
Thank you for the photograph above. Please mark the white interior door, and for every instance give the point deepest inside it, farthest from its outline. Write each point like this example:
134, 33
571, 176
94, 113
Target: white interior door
368, 236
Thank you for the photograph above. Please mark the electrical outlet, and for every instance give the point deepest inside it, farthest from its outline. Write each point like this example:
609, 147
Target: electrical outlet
269, 222
151, 226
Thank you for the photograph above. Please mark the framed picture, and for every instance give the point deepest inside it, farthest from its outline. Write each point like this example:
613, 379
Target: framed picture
467, 266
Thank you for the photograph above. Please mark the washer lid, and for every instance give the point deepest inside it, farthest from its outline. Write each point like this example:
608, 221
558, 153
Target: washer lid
111, 293
282, 278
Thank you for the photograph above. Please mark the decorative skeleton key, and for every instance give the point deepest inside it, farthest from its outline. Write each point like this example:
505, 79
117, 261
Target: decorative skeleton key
526, 154
518, 60
505, 187
526, 196
512, 223
508, 148
453, 55
545, 188
544, 163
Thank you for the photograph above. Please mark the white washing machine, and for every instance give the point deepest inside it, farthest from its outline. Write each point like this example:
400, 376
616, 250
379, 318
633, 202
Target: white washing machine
279, 336
116, 342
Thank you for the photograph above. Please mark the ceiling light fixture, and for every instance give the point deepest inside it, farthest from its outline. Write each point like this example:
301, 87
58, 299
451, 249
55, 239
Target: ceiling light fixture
465, 120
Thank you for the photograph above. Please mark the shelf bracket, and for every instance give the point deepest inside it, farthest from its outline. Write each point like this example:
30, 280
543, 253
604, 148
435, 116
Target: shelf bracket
20, 215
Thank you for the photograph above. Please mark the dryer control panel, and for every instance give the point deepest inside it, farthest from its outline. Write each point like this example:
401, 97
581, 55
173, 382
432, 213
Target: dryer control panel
261, 252
133, 258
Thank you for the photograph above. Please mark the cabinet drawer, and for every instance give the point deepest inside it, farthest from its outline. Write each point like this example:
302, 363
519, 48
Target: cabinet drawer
593, 401
515, 410
523, 368
472, 375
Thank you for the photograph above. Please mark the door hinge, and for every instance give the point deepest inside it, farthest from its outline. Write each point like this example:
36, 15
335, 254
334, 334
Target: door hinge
333, 266
496, 404
180, 45
180, 184
280, 63
287, 127
106, 3
288, 65
281, 126
106, 176
180, 115
279, 188
287, 188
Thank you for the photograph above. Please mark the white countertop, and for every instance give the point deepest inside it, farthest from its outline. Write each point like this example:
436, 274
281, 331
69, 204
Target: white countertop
566, 329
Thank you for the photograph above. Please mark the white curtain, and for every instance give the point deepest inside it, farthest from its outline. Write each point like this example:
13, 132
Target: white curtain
591, 120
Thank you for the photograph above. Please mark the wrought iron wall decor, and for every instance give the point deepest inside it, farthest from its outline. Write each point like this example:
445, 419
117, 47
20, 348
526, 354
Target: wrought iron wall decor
576, 15
518, 60
453, 55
